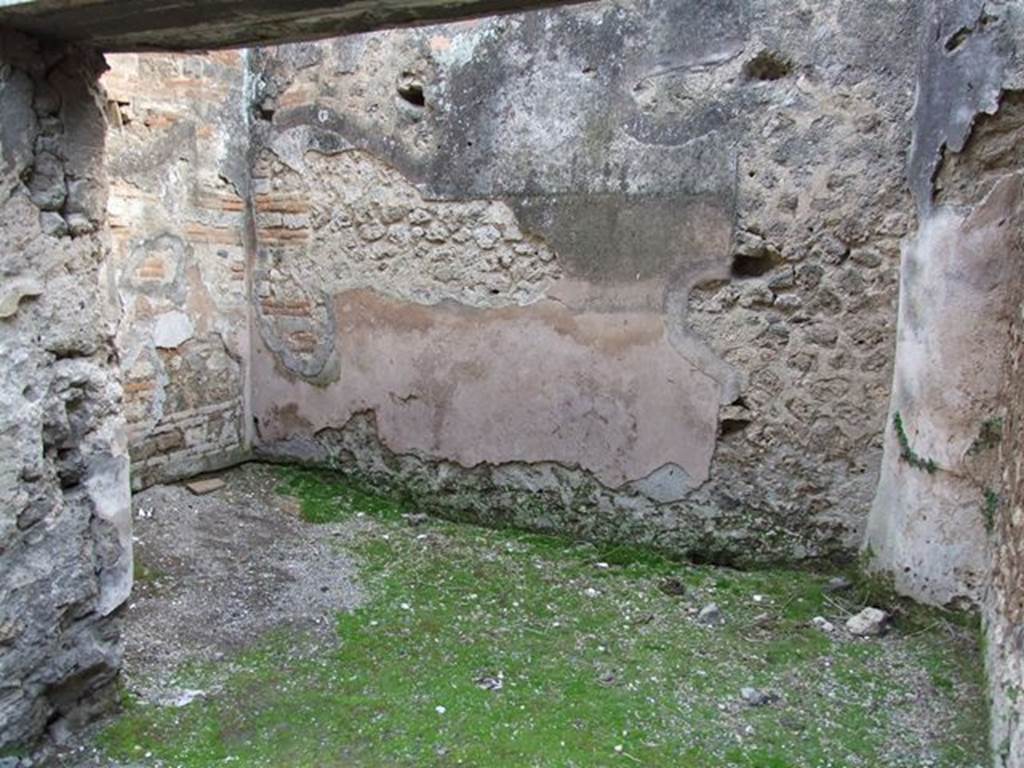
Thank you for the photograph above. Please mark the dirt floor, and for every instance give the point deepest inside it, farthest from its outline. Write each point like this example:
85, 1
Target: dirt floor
292, 618
216, 572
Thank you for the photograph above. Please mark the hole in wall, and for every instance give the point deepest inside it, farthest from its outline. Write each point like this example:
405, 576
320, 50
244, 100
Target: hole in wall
955, 41
727, 427
767, 65
751, 265
411, 92
119, 113
734, 418
265, 111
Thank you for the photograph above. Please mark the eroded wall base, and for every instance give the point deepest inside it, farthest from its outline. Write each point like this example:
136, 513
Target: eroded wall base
547, 497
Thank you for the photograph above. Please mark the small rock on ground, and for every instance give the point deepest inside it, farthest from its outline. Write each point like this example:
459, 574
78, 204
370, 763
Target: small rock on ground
205, 486
416, 519
672, 586
711, 615
868, 623
755, 698
838, 584
823, 624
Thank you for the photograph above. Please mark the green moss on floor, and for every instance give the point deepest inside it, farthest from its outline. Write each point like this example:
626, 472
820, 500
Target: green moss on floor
143, 573
478, 647
324, 498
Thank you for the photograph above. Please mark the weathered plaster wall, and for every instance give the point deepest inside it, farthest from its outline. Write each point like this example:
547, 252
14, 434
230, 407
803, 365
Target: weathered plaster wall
946, 522
641, 256
179, 172
65, 540
928, 524
958, 284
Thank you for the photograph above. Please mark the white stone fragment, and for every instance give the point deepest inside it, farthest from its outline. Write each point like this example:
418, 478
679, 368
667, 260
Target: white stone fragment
823, 624
869, 622
172, 329
13, 291
711, 615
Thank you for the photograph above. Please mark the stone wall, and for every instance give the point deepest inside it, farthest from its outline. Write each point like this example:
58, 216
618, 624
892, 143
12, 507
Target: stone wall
178, 220
65, 540
946, 522
930, 519
992, 164
1004, 604
627, 271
